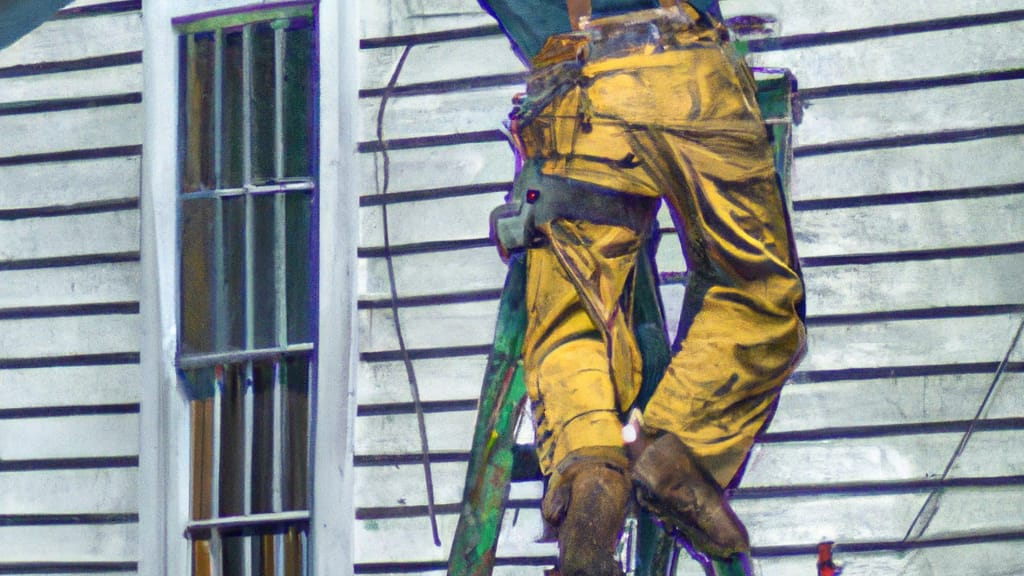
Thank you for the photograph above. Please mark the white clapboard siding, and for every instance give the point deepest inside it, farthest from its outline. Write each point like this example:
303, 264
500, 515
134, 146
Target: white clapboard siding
84, 128
869, 116
860, 460
458, 218
909, 169
441, 61
435, 167
912, 343
82, 491
930, 225
69, 183
992, 280
69, 543
978, 459
62, 437
75, 386
68, 286
438, 379
836, 15
68, 336
398, 486
466, 324
517, 538
896, 401
839, 518
984, 558
902, 57
398, 17
398, 433
76, 235
77, 38
88, 83
435, 273
416, 116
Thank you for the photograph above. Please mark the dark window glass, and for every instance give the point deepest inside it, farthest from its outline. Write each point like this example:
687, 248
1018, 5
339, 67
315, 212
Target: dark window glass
232, 138
199, 111
263, 103
298, 96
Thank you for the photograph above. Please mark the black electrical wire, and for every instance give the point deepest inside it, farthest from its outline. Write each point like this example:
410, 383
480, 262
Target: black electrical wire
406, 358
931, 506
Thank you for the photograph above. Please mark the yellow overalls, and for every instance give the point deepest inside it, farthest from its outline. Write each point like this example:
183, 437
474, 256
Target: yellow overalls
655, 105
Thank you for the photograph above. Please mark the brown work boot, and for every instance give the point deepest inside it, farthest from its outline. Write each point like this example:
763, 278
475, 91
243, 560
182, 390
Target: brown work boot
588, 506
671, 484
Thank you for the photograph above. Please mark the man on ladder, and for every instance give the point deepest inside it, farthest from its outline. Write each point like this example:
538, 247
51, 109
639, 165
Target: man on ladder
630, 102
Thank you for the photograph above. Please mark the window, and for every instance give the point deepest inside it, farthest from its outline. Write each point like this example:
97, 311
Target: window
246, 343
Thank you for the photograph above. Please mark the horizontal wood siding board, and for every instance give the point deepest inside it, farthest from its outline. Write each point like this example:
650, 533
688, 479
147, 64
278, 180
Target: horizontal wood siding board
68, 261
83, 463
74, 39
415, 170
70, 155
54, 132
937, 110
440, 380
105, 543
89, 63
69, 388
909, 227
71, 568
459, 218
68, 287
830, 16
966, 558
70, 310
62, 104
56, 437
109, 359
73, 85
62, 519
69, 236
69, 492
69, 335
901, 57
68, 410
464, 111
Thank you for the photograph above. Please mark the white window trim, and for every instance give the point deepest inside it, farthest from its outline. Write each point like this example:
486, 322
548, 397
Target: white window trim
163, 461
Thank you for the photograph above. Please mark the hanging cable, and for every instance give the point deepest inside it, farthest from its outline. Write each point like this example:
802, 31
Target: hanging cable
406, 358
931, 506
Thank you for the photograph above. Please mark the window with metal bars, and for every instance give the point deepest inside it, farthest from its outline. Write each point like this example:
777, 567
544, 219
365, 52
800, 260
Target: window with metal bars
246, 343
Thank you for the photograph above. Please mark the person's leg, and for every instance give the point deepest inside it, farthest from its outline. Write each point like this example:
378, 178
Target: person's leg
575, 328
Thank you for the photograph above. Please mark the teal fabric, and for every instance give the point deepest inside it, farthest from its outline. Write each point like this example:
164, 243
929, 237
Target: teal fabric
529, 23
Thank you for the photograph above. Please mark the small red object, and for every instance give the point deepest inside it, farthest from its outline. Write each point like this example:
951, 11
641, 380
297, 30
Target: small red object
532, 196
826, 567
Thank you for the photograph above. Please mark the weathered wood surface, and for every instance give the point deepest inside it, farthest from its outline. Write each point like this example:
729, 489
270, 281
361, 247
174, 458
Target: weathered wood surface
51, 184
77, 38
419, 168
984, 558
84, 128
69, 386
73, 543
887, 115
75, 235
439, 379
63, 437
901, 57
69, 286
89, 83
83, 491
68, 336
894, 170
